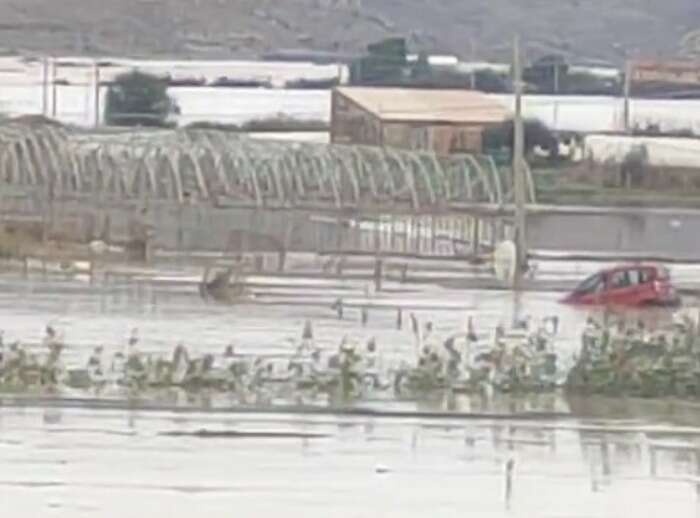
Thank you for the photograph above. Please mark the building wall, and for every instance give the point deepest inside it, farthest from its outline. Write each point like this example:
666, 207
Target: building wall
680, 73
442, 139
350, 124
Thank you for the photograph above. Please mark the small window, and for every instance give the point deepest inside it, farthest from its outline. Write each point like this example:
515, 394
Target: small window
645, 276
619, 279
592, 284
635, 277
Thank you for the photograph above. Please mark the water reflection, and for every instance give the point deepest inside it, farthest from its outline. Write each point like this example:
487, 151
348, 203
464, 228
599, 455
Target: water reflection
522, 468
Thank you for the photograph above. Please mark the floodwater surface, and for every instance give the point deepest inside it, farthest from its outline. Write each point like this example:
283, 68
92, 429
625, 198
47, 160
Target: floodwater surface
67, 459
73, 462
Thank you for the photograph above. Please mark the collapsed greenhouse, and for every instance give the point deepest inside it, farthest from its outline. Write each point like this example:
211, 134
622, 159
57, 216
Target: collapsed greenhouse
216, 175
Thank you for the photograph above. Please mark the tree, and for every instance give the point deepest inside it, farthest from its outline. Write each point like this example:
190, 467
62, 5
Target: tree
634, 165
422, 70
486, 80
384, 64
537, 134
139, 99
547, 73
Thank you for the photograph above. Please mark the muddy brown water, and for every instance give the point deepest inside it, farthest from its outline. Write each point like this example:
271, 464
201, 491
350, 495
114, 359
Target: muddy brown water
599, 458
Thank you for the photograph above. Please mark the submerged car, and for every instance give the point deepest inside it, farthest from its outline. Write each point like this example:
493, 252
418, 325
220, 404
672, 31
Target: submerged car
629, 285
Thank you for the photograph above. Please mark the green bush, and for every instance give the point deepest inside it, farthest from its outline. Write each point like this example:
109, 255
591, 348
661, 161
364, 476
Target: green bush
139, 99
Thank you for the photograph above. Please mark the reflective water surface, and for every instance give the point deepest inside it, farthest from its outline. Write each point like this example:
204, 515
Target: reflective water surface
592, 458
71, 462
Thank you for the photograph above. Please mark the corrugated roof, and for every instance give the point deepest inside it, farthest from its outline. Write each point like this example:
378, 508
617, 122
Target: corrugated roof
416, 105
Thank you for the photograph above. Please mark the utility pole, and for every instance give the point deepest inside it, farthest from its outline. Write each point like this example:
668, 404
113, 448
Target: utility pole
96, 94
54, 86
45, 87
518, 169
472, 75
628, 89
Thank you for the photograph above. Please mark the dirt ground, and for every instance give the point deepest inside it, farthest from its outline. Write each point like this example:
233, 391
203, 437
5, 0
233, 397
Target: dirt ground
481, 29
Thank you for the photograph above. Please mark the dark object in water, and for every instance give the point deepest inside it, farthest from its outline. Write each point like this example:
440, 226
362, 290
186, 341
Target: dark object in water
220, 287
232, 434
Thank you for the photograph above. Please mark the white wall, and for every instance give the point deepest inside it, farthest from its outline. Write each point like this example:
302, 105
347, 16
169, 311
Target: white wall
663, 151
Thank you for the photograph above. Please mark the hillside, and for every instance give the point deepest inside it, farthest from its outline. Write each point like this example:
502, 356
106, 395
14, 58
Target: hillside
584, 29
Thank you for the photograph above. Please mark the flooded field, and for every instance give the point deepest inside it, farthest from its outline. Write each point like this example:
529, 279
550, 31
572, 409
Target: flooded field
88, 318
73, 457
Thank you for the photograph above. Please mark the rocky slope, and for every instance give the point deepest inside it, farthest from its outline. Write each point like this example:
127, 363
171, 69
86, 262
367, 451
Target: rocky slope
584, 29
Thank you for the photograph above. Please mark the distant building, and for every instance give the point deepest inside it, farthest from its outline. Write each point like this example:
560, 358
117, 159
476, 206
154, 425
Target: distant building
659, 76
442, 121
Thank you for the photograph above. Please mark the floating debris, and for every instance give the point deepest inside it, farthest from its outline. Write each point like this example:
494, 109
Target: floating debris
232, 434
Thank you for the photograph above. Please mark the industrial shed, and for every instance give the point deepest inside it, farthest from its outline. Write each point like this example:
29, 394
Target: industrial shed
442, 121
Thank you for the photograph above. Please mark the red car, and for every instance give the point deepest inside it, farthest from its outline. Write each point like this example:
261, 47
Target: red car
632, 285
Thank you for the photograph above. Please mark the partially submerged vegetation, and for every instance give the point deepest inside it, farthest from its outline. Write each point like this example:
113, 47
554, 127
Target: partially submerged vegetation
627, 360
615, 360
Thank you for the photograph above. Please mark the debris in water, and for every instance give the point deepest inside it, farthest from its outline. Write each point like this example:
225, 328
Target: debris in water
381, 469
232, 434
510, 466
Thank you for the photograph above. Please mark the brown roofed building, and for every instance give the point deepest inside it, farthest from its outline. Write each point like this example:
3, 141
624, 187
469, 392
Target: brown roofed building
443, 121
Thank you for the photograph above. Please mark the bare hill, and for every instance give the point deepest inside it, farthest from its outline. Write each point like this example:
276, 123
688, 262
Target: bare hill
584, 29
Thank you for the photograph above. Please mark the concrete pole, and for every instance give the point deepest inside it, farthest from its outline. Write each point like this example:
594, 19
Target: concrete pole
518, 169
472, 76
96, 94
54, 87
45, 87
627, 92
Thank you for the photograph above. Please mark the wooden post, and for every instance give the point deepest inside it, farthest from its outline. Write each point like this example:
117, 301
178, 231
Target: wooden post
476, 224
93, 259
339, 235
510, 465
392, 233
377, 257
378, 266
180, 233
339, 308
404, 227
288, 234
259, 262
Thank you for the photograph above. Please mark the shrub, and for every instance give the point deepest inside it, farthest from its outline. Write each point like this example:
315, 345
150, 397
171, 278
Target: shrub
139, 99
